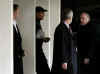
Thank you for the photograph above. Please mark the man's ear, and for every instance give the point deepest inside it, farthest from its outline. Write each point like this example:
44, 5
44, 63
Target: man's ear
89, 19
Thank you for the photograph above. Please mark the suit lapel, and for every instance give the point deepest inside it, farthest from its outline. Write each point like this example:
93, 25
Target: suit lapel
67, 29
17, 33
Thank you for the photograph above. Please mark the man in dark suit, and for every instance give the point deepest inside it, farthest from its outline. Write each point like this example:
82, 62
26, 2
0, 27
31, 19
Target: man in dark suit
63, 46
41, 61
86, 44
18, 52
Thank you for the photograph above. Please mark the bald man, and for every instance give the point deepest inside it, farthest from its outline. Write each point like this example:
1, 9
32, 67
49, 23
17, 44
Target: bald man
85, 43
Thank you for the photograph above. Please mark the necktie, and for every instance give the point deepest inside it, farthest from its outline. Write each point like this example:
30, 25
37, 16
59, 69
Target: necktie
18, 30
16, 27
70, 29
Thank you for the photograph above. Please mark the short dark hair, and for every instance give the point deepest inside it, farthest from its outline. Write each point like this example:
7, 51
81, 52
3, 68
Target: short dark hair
15, 7
65, 14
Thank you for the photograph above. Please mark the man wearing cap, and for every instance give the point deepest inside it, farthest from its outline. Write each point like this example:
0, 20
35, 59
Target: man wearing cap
63, 52
41, 61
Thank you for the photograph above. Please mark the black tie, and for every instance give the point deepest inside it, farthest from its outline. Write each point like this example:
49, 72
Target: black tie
18, 30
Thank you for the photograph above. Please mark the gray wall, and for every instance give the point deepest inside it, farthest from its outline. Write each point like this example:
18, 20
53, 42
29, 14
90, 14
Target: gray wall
6, 31
27, 28
26, 23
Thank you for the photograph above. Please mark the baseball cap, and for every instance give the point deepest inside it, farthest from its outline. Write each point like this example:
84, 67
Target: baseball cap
39, 9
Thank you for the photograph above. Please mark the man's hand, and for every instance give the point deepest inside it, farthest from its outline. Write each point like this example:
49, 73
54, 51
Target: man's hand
86, 61
27, 52
64, 66
46, 39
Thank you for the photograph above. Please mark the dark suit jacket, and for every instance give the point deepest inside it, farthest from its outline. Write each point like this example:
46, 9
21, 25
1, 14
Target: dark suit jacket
17, 52
85, 40
63, 48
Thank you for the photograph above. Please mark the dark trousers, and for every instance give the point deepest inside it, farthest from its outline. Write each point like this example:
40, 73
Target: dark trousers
75, 62
41, 63
18, 65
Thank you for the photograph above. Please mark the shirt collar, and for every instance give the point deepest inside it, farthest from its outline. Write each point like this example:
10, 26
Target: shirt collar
66, 25
14, 23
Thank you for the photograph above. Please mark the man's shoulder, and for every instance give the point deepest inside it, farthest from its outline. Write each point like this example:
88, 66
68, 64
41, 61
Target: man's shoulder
59, 28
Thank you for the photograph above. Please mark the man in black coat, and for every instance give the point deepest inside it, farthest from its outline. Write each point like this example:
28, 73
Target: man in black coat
63, 46
18, 52
86, 44
41, 61
95, 47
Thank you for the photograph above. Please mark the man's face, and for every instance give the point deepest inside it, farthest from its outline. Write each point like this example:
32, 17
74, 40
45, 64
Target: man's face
84, 18
69, 21
40, 15
16, 13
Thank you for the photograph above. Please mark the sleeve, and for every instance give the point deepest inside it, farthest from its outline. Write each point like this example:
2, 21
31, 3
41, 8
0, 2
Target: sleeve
92, 44
40, 34
91, 49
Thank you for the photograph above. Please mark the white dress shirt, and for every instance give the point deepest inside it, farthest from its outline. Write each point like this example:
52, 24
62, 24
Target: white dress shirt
15, 25
67, 25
